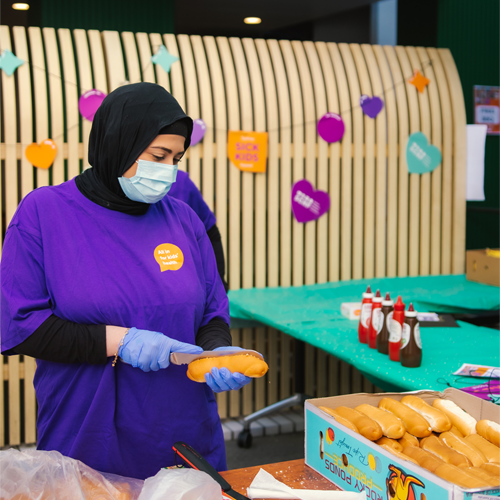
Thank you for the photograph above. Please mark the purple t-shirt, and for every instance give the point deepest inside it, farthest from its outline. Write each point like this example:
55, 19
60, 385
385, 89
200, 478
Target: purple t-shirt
67, 256
185, 189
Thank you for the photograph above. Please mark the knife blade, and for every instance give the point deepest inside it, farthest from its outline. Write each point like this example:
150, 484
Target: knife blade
180, 358
196, 461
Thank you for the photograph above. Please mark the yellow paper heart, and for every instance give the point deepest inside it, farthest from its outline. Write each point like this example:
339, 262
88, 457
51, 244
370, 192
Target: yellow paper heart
41, 155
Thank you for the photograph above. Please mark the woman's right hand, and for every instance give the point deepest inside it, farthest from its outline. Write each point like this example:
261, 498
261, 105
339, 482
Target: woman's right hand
151, 350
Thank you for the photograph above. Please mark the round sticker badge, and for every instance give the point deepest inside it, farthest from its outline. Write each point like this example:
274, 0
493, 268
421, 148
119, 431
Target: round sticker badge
169, 257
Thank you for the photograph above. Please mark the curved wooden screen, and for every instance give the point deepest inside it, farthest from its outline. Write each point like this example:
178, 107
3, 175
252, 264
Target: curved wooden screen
383, 221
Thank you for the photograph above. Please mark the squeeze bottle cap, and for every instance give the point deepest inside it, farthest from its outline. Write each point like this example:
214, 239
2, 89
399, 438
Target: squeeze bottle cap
387, 301
378, 297
399, 306
368, 294
411, 313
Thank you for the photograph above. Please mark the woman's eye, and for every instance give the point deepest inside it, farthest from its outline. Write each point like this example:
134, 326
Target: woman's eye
159, 158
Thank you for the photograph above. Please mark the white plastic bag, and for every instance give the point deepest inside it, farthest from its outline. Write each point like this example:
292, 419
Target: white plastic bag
181, 484
48, 475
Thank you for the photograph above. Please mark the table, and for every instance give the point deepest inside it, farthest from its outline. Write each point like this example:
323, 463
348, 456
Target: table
294, 473
312, 314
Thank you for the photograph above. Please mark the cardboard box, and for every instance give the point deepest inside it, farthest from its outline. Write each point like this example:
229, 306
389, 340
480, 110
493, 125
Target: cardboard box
483, 268
351, 310
354, 463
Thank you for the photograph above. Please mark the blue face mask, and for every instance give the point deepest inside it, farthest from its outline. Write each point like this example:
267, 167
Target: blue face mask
151, 182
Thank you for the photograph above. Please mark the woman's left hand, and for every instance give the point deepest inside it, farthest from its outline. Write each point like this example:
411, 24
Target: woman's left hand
223, 380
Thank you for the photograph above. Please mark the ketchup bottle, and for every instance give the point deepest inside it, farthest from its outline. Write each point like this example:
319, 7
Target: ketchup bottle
411, 345
396, 329
366, 312
383, 335
376, 320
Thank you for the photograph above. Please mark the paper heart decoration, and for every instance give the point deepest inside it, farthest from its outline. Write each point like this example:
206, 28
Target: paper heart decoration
41, 155
421, 156
199, 129
89, 102
331, 127
371, 106
308, 204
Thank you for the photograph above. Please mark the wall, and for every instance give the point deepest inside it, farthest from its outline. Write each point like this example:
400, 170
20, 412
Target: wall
470, 29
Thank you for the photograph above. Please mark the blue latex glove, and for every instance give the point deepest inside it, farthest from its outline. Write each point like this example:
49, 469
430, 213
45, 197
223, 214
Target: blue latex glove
151, 350
223, 380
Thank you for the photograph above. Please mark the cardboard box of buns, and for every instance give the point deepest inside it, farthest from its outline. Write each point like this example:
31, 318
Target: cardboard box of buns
423, 445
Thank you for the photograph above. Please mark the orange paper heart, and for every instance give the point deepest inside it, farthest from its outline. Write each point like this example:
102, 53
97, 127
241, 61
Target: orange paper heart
41, 155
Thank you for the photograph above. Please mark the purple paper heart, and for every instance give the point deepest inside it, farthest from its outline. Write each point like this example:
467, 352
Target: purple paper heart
331, 127
199, 129
371, 106
89, 102
308, 204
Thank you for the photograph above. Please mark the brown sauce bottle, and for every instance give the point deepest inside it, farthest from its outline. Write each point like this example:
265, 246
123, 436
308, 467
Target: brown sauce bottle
410, 353
383, 334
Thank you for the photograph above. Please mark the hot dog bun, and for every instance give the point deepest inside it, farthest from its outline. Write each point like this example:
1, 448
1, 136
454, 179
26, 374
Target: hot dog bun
489, 450
438, 421
462, 446
465, 423
424, 458
390, 442
483, 475
458, 476
433, 445
366, 426
492, 468
391, 426
408, 440
339, 418
415, 424
398, 454
248, 365
489, 430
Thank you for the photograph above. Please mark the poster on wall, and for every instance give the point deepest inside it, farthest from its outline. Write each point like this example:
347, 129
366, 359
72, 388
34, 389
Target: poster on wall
487, 108
248, 150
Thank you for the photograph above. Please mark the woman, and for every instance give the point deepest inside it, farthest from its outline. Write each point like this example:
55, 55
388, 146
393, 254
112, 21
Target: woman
106, 266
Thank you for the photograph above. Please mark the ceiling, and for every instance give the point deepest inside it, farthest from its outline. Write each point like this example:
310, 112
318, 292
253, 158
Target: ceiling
225, 17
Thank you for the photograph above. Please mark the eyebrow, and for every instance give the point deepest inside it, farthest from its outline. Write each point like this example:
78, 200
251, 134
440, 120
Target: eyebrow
167, 150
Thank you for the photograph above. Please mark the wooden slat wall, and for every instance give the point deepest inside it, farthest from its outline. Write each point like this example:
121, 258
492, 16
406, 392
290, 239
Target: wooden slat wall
382, 221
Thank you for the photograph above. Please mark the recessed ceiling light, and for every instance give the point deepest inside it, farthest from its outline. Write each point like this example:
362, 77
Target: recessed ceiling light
252, 20
20, 6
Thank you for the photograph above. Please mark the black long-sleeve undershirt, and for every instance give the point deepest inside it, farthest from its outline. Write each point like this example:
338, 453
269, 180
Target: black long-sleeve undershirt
216, 240
63, 341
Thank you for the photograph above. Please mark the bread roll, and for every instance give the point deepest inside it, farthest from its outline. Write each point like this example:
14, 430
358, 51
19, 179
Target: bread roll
408, 440
391, 426
458, 476
246, 364
492, 468
489, 430
433, 445
390, 442
438, 421
464, 422
424, 458
455, 431
489, 450
462, 446
398, 454
339, 419
366, 426
483, 475
415, 424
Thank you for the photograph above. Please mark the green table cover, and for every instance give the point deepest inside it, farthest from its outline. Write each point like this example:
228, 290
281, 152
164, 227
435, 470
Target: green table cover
312, 314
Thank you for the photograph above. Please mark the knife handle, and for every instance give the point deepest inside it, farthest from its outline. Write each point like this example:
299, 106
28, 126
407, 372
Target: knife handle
196, 461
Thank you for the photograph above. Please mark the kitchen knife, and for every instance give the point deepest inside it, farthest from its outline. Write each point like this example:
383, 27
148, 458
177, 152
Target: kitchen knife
180, 358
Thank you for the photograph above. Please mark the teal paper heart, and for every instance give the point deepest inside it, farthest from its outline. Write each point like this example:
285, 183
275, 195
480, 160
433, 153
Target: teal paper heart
421, 156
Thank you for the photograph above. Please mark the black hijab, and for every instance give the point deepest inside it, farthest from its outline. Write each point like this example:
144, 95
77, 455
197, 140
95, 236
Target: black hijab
127, 121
